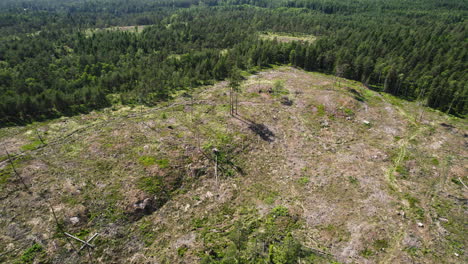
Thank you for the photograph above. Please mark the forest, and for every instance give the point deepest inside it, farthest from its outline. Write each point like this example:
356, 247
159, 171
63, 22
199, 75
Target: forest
62, 57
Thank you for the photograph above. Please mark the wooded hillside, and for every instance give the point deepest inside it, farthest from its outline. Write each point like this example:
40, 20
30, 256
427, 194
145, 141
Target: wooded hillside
54, 62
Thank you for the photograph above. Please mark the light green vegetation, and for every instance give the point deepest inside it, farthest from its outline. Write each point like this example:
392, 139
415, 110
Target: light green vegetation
130, 29
287, 37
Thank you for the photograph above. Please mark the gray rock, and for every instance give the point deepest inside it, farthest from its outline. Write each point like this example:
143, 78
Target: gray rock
74, 220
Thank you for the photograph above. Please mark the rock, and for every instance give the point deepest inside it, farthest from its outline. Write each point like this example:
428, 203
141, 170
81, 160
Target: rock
324, 123
420, 224
10, 246
286, 101
78, 211
143, 205
74, 220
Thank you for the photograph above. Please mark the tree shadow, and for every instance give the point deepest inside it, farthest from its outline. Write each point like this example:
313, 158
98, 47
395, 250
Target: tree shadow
357, 95
374, 88
260, 129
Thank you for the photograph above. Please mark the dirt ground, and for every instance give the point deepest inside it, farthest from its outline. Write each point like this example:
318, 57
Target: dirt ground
370, 178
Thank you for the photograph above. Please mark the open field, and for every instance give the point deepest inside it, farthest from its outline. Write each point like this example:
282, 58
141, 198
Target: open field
284, 37
352, 175
131, 29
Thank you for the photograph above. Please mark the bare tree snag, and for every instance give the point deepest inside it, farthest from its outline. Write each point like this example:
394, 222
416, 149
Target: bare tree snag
15, 171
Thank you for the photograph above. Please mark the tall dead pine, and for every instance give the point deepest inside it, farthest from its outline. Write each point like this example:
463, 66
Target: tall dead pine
14, 169
234, 84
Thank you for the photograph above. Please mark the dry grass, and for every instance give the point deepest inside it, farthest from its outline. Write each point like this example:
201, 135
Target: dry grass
283, 37
358, 190
131, 29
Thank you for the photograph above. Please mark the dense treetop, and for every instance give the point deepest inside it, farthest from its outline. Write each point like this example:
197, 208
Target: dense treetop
53, 61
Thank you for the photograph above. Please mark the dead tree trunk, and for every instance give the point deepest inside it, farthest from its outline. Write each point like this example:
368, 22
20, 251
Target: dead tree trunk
237, 103
40, 138
15, 171
231, 102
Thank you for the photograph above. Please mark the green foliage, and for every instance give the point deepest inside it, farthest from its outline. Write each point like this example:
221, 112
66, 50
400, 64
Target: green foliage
152, 185
402, 171
321, 110
31, 146
278, 88
263, 240
181, 251
147, 232
4, 176
198, 222
353, 180
49, 67
287, 252
456, 181
235, 78
279, 211
380, 243
415, 209
224, 154
35, 251
367, 253
348, 112
304, 180
163, 163
147, 160
83, 233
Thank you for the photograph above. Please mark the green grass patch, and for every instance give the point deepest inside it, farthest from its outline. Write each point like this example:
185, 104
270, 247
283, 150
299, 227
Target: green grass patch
415, 209
348, 112
182, 250
199, 222
353, 180
33, 253
271, 198
380, 244
83, 234
251, 239
152, 185
456, 181
70, 199
287, 37
321, 110
252, 95
163, 163
147, 160
146, 230
303, 180
279, 211
31, 146
278, 88
4, 176
402, 171
367, 253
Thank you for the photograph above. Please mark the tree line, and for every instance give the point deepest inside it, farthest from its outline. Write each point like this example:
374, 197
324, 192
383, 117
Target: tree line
414, 50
